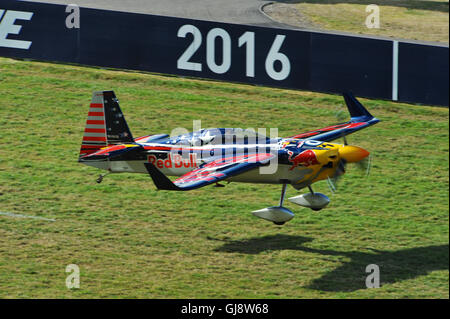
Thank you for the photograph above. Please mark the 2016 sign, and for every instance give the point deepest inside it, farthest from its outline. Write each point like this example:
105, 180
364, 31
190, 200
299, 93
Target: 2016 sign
247, 39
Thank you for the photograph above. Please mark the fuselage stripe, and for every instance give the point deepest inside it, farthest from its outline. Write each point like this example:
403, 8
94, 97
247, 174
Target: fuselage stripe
94, 138
84, 151
97, 122
94, 134
96, 114
94, 147
95, 126
95, 118
95, 130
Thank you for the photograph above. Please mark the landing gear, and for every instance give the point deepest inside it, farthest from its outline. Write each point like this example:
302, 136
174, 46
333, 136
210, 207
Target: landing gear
315, 201
312, 192
100, 177
218, 185
276, 214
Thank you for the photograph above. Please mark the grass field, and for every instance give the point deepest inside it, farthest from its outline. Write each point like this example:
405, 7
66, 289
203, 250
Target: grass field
405, 19
131, 241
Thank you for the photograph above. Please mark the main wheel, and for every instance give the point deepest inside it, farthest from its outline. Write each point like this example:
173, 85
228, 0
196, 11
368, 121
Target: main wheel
316, 209
279, 223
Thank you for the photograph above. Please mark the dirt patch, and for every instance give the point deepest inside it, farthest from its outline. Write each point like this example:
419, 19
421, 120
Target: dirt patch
289, 14
399, 19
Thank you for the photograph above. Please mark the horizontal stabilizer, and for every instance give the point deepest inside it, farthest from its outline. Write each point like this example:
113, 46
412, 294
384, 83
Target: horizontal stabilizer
161, 181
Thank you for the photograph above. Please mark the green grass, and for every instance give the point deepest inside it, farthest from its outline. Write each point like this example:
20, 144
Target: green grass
131, 241
405, 19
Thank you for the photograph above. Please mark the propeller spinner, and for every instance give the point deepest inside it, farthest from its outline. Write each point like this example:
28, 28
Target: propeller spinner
349, 154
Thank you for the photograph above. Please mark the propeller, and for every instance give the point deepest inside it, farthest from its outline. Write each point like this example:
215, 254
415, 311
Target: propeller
340, 170
350, 154
365, 164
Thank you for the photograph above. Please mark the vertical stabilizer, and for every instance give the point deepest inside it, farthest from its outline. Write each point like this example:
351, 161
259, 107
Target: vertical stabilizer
105, 124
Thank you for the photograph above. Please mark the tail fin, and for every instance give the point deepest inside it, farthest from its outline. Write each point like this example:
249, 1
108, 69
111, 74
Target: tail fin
105, 124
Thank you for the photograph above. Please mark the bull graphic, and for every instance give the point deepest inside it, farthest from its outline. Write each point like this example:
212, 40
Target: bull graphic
305, 158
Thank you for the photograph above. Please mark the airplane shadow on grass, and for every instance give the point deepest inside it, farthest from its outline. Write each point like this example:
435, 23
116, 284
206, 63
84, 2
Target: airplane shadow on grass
394, 266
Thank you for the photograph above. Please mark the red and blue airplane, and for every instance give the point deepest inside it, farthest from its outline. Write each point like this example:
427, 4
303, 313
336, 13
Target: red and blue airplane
209, 156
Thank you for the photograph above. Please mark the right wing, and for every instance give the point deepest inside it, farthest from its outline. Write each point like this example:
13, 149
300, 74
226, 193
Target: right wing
209, 173
360, 118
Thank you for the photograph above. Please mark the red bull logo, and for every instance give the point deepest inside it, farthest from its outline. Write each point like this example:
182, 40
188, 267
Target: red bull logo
305, 158
174, 161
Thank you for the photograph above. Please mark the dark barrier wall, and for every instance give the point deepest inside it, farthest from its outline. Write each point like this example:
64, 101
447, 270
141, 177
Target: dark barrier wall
229, 52
362, 65
423, 74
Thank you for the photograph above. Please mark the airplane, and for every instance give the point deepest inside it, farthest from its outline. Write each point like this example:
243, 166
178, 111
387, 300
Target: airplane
209, 156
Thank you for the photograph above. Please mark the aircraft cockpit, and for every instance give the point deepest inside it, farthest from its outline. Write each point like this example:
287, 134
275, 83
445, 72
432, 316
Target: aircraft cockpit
218, 136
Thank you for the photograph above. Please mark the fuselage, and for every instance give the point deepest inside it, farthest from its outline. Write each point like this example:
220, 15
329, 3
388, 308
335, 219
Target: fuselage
296, 161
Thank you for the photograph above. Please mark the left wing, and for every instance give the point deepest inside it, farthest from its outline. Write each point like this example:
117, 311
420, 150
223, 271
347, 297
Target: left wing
209, 173
360, 118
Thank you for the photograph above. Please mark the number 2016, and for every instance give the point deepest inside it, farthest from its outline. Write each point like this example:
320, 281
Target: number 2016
247, 39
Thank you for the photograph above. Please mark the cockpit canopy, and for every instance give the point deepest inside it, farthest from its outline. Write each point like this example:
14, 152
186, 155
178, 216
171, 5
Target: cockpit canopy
216, 136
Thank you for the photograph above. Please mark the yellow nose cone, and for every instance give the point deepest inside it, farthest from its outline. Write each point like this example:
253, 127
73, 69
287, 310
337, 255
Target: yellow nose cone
352, 154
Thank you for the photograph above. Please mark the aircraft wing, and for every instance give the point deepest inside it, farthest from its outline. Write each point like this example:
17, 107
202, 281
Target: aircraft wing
360, 118
209, 173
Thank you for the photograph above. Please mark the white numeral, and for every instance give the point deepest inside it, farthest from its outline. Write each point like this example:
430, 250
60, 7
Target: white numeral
248, 38
275, 55
183, 61
211, 50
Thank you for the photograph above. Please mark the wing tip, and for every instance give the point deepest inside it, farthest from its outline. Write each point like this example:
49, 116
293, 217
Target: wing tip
355, 108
